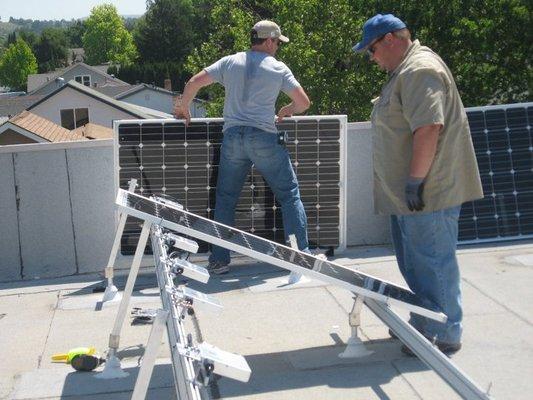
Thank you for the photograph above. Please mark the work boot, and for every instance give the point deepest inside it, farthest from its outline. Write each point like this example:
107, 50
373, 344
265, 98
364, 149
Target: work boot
445, 348
217, 267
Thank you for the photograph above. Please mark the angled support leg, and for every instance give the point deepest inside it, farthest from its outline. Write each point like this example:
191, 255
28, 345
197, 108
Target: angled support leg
150, 354
111, 290
355, 346
112, 366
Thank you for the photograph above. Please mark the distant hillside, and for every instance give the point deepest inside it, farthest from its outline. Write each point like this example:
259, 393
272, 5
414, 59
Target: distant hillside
5, 29
37, 26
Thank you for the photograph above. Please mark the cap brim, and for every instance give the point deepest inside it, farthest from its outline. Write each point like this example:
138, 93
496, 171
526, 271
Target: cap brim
359, 47
284, 39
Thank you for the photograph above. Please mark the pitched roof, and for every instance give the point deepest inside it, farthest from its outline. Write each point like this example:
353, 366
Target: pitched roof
50, 77
94, 131
113, 91
141, 86
43, 128
11, 106
133, 110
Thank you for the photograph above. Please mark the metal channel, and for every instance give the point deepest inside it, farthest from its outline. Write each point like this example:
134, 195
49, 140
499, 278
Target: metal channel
425, 351
182, 367
377, 303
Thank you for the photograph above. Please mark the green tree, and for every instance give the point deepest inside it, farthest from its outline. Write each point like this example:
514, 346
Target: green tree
16, 64
319, 53
51, 49
31, 38
155, 73
169, 30
487, 44
106, 38
11, 38
75, 34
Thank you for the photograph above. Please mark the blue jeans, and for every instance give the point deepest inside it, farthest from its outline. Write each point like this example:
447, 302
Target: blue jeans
243, 146
425, 245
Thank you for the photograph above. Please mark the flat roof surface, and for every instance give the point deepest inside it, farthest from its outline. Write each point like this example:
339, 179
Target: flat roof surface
290, 335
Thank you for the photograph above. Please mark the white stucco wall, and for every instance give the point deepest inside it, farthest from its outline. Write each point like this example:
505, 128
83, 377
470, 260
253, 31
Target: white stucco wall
99, 112
65, 192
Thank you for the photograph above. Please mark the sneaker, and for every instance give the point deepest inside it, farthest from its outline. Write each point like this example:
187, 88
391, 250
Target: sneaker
217, 267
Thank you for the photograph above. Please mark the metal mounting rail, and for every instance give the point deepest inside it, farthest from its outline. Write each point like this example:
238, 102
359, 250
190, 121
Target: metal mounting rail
182, 367
377, 294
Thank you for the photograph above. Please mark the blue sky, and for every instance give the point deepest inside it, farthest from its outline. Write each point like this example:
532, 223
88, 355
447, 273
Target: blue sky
64, 9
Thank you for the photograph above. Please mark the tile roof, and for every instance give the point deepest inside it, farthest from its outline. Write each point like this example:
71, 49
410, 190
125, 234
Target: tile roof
44, 128
94, 131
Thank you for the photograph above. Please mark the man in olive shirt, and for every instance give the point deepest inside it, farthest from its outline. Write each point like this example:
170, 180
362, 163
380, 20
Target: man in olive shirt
424, 169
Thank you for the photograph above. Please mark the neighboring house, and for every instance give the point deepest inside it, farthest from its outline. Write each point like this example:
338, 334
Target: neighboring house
71, 112
158, 99
94, 77
30, 128
73, 105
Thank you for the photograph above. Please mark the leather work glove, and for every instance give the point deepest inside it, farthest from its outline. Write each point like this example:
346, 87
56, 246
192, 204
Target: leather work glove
413, 194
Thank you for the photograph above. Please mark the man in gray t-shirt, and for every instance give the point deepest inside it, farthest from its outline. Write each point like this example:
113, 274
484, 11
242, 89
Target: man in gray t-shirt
252, 81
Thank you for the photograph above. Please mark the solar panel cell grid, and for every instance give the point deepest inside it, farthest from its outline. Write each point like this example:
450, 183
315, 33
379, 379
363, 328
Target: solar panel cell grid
182, 162
503, 143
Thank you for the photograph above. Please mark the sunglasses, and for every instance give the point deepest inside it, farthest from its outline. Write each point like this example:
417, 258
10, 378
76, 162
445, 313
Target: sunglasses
372, 48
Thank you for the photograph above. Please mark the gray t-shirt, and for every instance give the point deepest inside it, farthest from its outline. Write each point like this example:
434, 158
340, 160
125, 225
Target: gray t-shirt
252, 82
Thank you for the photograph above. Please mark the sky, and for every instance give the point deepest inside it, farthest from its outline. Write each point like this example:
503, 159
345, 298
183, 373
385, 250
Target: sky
64, 9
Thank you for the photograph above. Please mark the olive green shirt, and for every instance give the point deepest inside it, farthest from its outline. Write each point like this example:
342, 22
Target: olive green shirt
421, 91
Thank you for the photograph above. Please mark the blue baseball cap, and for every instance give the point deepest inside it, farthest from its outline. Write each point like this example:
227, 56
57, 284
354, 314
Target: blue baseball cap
376, 27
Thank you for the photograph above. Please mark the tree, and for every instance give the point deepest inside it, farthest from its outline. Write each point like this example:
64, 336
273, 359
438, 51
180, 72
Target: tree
169, 30
75, 34
106, 38
319, 53
486, 43
51, 49
155, 73
31, 38
11, 38
16, 64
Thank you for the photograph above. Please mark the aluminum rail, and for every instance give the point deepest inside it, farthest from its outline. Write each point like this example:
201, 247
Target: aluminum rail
182, 367
425, 351
183, 222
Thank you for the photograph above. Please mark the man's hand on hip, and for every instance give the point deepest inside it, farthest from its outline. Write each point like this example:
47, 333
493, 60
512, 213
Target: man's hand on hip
414, 188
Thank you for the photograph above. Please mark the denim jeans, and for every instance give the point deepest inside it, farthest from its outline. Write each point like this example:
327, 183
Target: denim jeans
243, 146
425, 245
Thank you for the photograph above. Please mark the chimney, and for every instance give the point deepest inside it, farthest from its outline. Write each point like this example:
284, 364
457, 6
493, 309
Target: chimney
168, 85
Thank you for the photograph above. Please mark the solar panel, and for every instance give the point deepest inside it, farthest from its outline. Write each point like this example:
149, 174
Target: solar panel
245, 243
168, 158
503, 144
